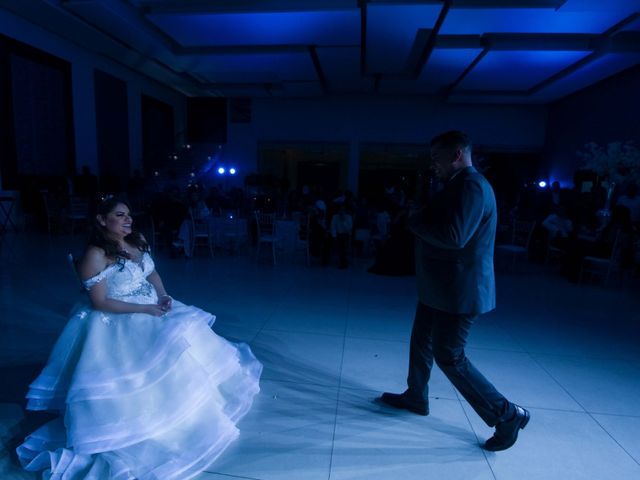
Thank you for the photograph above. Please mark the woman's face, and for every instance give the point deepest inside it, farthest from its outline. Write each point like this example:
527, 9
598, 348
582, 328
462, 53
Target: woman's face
118, 221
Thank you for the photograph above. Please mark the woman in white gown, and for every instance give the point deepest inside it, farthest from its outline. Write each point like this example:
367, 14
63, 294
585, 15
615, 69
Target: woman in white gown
145, 389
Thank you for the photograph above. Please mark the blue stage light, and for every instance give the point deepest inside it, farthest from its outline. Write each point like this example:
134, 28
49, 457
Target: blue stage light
542, 184
221, 170
232, 171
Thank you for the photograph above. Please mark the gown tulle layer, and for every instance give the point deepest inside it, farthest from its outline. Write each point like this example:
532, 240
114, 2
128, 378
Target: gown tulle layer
140, 396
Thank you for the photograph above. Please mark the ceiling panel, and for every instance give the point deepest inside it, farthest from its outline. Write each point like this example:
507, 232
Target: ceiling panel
445, 66
633, 26
316, 47
395, 85
597, 6
341, 67
391, 33
467, 21
519, 71
259, 67
280, 28
591, 73
299, 89
254, 91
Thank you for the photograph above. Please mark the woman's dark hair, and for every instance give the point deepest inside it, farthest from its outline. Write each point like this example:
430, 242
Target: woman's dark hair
98, 235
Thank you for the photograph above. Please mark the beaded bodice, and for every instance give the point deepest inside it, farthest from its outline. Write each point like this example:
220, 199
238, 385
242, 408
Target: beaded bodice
127, 280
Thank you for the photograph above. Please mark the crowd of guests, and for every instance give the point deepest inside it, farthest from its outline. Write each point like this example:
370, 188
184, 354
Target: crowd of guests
578, 224
337, 224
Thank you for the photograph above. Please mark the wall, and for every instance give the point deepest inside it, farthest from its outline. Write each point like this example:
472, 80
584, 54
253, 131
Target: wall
353, 120
606, 112
83, 64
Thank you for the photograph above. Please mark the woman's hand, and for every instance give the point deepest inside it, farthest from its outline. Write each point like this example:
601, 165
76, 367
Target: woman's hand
165, 302
153, 309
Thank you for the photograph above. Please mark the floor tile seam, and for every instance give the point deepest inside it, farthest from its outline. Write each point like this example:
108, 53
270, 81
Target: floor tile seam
337, 407
586, 411
569, 410
533, 355
282, 330
292, 382
360, 337
637, 461
621, 415
231, 476
373, 390
470, 423
267, 319
469, 347
631, 362
562, 387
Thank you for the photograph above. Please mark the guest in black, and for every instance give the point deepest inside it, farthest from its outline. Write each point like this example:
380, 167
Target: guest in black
341, 228
86, 184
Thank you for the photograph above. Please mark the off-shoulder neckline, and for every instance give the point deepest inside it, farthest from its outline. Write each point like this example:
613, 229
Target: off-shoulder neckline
115, 264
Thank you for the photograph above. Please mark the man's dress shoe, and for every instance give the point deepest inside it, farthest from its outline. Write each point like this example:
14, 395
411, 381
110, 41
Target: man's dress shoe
401, 400
507, 432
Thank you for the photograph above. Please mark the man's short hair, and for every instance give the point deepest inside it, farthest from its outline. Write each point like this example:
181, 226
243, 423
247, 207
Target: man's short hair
452, 139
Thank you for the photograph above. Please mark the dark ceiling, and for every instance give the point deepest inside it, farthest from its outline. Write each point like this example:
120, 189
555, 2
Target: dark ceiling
504, 51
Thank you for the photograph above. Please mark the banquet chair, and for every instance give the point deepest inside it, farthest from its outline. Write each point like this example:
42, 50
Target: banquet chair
518, 247
156, 234
553, 253
78, 211
266, 232
73, 263
7, 205
594, 267
201, 233
52, 209
362, 241
302, 237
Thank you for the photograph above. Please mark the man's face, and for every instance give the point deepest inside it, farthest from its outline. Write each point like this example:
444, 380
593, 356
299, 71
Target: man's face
442, 161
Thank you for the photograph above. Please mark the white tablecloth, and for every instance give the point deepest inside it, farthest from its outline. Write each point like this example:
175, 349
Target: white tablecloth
229, 232
287, 232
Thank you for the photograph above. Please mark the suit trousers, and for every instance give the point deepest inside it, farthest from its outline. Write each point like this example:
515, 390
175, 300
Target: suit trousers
442, 336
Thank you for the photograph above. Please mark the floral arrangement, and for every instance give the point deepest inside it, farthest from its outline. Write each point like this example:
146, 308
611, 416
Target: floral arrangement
616, 163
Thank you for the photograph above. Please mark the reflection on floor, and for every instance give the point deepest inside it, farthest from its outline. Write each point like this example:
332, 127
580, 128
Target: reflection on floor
331, 340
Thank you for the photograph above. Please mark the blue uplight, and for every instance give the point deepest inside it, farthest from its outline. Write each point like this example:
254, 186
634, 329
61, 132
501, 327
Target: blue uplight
232, 171
221, 170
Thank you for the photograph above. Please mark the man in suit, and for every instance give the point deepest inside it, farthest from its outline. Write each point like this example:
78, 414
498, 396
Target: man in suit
455, 236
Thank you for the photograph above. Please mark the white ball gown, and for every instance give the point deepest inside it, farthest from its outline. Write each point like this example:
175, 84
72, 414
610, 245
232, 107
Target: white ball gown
139, 397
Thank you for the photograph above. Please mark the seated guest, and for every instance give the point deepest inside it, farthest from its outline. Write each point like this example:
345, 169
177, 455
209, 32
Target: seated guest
341, 227
318, 244
86, 184
395, 257
558, 224
618, 229
631, 200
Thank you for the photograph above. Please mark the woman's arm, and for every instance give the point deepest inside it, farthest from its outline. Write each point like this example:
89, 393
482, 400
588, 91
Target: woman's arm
164, 300
93, 263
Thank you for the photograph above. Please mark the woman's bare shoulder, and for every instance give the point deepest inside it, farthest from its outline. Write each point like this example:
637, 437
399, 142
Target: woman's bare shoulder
92, 262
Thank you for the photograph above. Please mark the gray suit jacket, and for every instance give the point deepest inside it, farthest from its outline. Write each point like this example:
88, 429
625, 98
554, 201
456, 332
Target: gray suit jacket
455, 236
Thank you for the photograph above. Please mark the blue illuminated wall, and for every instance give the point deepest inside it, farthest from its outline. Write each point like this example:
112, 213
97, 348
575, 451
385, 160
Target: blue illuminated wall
606, 112
83, 65
354, 120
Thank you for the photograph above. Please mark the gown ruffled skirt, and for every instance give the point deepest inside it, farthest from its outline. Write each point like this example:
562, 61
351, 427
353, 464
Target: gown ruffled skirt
139, 397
